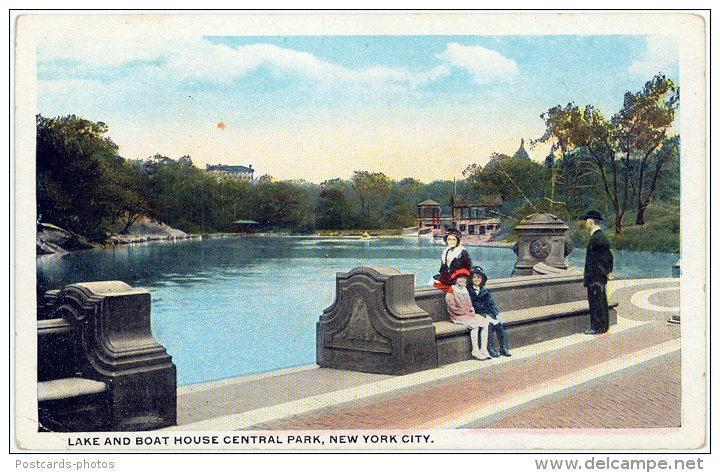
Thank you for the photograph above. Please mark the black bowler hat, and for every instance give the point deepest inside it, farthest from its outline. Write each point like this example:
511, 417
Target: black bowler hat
593, 214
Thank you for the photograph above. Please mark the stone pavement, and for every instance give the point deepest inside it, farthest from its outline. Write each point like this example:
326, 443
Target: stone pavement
627, 378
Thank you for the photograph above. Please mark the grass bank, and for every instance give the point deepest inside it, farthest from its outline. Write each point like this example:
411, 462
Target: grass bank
661, 233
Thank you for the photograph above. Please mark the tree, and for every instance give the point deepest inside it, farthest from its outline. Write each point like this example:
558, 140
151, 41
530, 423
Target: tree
643, 125
186, 197
372, 189
400, 210
574, 182
129, 185
233, 195
632, 136
516, 180
278, 205
75, 165
334, 211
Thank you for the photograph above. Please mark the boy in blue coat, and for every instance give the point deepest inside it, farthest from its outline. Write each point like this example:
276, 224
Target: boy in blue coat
484, 304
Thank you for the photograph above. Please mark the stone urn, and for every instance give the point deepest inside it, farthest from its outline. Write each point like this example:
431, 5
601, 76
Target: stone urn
542, 238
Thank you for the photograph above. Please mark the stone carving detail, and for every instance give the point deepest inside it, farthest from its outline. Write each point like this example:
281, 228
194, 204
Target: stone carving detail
359, 332
540, 248
104, 329
542, 238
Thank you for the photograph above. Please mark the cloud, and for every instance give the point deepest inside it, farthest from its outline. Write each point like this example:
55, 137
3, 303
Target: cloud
660, 55
194, 59
485, 65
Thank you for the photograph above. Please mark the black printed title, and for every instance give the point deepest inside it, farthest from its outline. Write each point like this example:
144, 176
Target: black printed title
247, 439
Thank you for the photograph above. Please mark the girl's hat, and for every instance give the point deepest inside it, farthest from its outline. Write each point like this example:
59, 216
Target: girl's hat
477, 270
462, 272
455, 232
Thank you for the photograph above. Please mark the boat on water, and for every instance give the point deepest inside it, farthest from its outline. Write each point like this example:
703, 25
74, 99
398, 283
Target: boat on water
469, 216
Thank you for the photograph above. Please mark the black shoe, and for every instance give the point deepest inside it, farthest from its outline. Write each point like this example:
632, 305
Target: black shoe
591, 332
493, 353
502, 338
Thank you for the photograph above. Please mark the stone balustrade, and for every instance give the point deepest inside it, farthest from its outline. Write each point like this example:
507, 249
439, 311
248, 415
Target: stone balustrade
381, 323
99, 367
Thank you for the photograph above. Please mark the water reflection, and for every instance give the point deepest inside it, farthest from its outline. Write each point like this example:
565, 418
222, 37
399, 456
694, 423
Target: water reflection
232, 306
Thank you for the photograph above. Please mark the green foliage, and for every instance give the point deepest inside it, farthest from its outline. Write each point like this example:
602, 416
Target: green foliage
660, 233
371, 201
82, 183
277, 205
334, 211
519, 182
372, 188
629, 150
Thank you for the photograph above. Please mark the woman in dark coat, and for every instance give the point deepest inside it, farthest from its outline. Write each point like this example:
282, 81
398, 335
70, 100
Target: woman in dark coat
454, 258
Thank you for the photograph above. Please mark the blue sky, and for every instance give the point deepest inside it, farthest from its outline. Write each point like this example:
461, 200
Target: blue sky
321, 107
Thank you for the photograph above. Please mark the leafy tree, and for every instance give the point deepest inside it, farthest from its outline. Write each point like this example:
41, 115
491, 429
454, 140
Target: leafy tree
574, 183
443, 191
650, 174
186, 197
400, 209
278, 205
75, 164
233, 195
372, 189
629, 140
334, 211
129, 186
517, 181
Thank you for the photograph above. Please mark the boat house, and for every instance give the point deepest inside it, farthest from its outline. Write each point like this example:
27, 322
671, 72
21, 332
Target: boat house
474, 218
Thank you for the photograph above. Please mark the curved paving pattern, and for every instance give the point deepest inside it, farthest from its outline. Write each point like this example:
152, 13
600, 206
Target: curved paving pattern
642, 299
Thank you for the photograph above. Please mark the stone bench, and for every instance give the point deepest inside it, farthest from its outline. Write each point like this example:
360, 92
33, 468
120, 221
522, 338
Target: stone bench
381, 323
98, 366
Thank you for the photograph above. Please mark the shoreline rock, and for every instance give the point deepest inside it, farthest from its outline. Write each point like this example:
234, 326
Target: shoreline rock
51, 239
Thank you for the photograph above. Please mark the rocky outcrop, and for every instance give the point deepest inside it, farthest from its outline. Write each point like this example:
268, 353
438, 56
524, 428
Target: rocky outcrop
146, 229
55, 240
51, 239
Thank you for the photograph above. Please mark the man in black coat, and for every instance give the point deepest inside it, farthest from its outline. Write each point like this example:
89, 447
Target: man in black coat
598, 269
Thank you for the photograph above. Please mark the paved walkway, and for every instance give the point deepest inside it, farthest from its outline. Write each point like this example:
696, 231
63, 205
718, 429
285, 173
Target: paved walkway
627, 378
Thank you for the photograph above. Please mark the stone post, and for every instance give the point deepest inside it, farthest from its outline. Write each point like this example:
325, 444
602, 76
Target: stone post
542, 238
115, 346
375, 325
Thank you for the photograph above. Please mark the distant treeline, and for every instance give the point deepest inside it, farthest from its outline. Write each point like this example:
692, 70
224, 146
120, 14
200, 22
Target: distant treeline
627, 165
84, 186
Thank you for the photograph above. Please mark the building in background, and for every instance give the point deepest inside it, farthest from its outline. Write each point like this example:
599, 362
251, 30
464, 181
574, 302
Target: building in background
474, 218
236, 172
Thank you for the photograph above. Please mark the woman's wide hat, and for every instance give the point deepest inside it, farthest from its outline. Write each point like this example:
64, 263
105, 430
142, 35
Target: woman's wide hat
453, 231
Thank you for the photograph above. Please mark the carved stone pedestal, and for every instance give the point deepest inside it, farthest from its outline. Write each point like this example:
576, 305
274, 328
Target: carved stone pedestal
99, 366
375, 326
542, 238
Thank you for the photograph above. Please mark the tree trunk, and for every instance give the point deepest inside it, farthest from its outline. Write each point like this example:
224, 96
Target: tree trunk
643, 205
640, 220
128, 223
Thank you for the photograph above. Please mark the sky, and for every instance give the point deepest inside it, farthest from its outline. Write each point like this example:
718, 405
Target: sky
322, 107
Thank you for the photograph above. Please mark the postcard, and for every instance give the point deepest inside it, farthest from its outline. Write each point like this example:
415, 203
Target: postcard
347, 232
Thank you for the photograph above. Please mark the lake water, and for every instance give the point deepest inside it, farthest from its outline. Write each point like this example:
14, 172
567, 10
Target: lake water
226, 307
